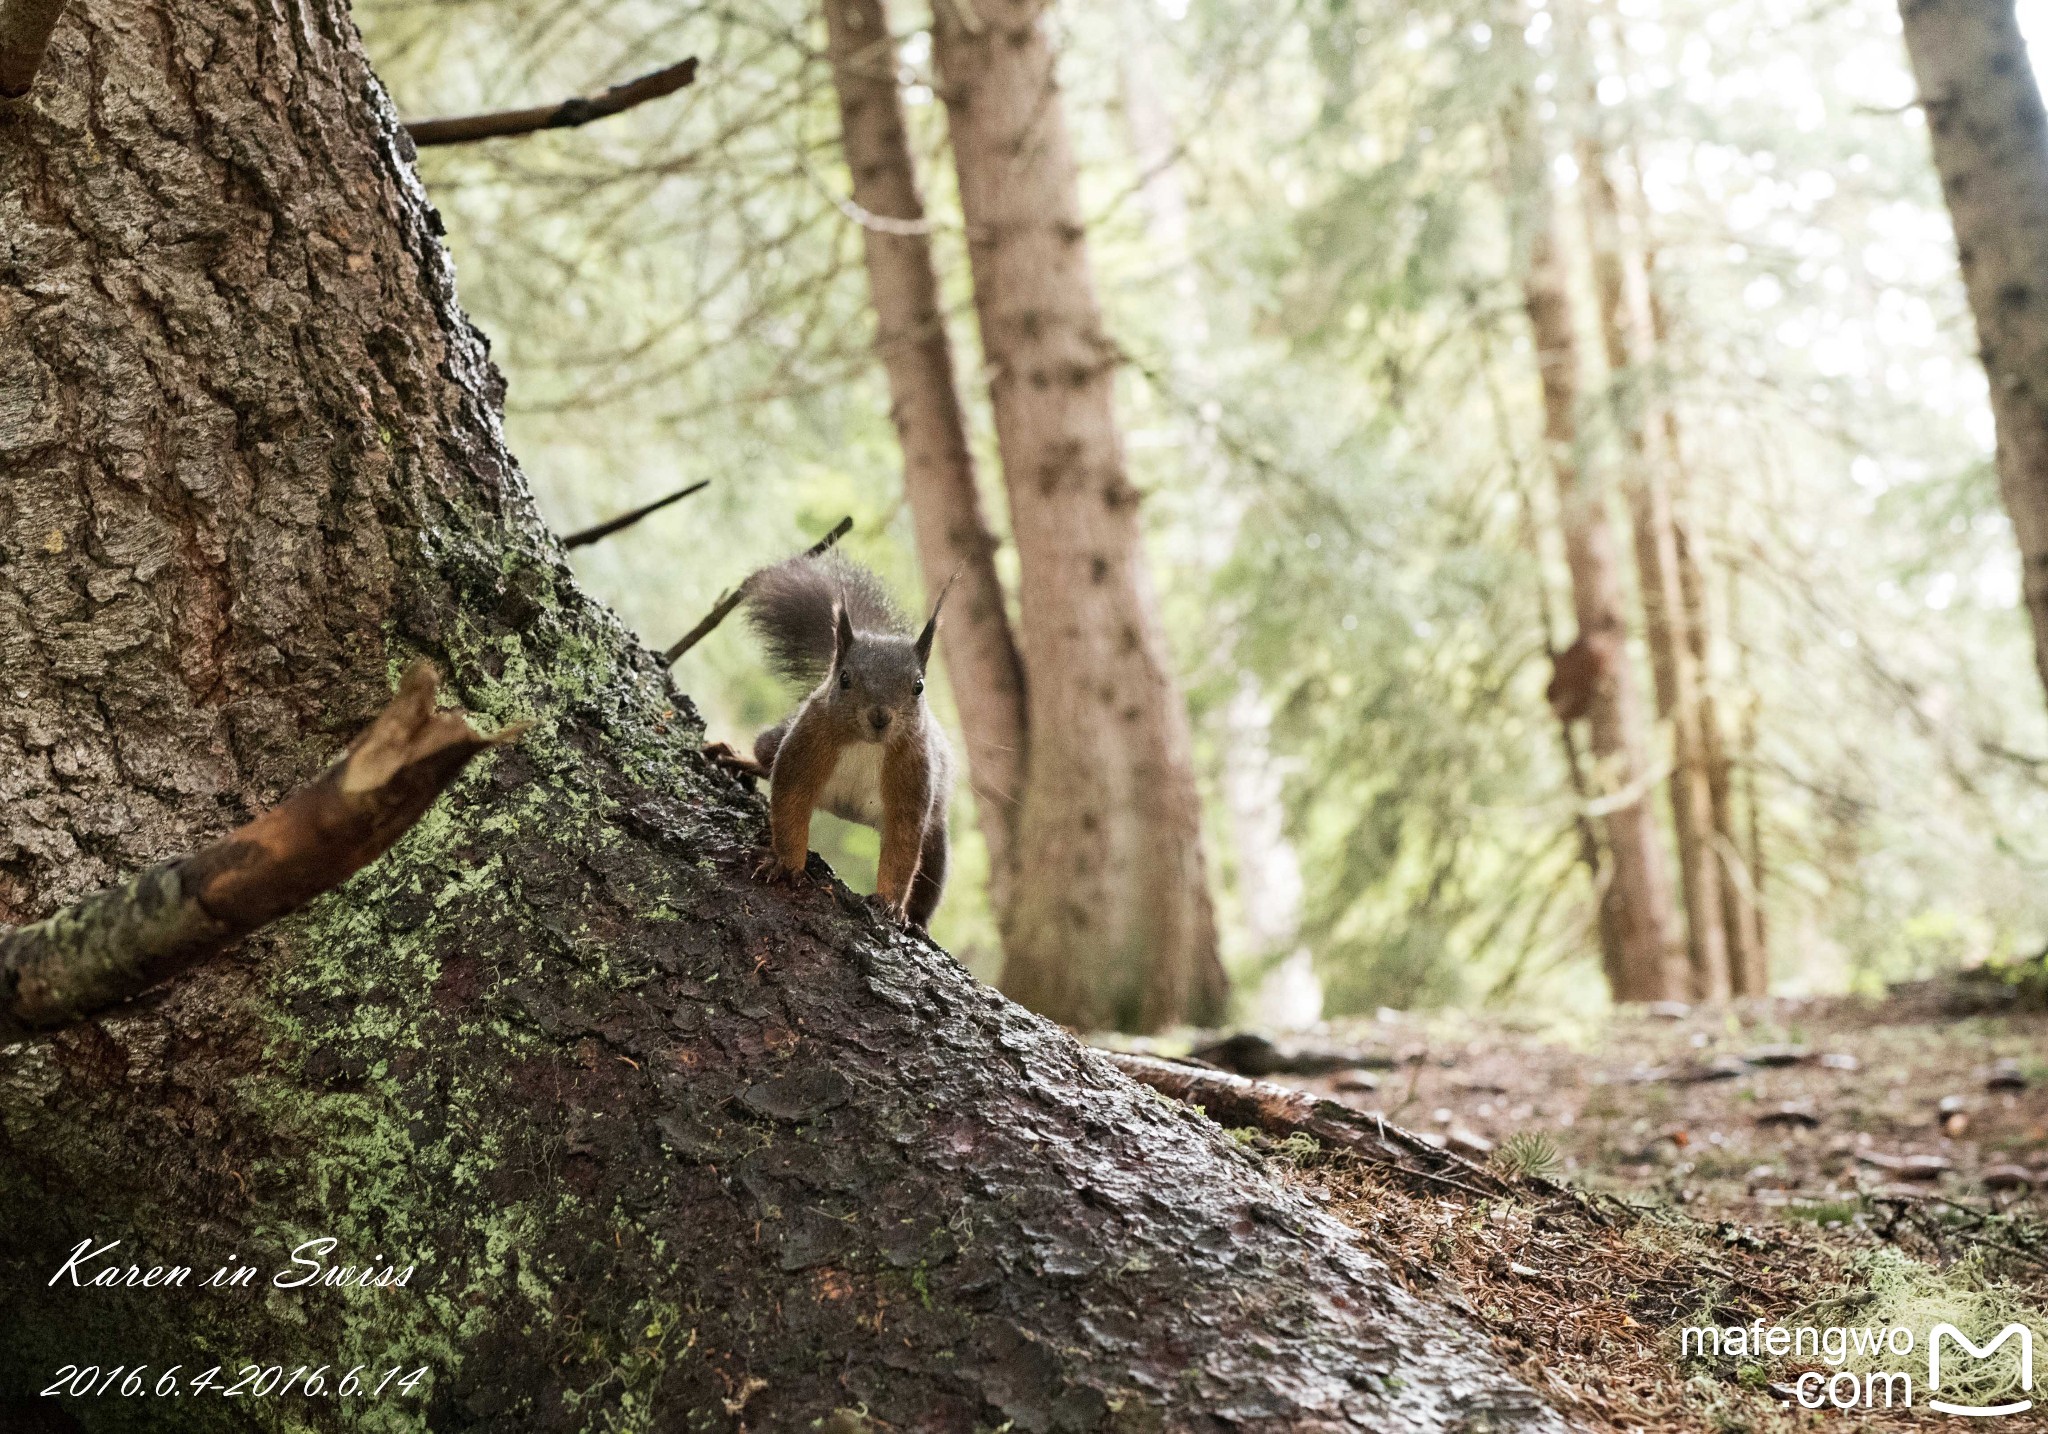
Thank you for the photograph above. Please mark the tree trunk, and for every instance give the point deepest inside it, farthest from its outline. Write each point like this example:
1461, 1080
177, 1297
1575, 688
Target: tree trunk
1749, 967
938, 466
1748, 958
1266, 869
1636, 916
1748, 961
663, 1148
1990, 137
1612, 954
1623, 336
1111, 923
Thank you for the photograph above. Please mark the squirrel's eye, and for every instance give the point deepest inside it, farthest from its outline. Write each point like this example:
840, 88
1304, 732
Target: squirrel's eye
845, 680
917, 687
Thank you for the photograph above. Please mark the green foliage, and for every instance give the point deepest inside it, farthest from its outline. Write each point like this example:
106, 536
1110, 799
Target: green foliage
1529, 1153
1332, 407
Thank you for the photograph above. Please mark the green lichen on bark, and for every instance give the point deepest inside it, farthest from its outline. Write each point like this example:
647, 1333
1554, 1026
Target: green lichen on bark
662, 1142
100, 950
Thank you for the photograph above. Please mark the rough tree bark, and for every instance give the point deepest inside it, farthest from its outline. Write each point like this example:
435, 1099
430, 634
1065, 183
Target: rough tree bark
1636, 913
1990, 137
1110, 924
1625, 340
115, 944
667, 1149
938, 465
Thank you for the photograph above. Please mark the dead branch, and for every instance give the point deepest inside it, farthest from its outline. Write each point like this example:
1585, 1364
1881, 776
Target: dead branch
1236, 1101
25, 28
597, 533
462, 129
116, 943
722, 609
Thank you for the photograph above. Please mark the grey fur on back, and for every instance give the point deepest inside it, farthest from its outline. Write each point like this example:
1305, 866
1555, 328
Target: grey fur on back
790, 606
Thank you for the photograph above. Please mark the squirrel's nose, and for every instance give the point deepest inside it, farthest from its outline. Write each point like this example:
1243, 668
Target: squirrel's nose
878, 718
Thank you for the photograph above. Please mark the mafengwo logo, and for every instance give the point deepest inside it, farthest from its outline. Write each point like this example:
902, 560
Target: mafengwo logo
1873, 1366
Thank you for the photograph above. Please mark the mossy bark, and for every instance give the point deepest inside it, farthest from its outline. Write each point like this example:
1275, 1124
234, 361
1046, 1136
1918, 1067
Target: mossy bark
666, 1149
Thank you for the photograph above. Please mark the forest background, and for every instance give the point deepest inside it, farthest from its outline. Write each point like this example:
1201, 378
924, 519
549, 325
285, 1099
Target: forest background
1299, 223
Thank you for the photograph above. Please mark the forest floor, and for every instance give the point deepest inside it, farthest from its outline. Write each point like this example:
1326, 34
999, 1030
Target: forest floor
1824, 1163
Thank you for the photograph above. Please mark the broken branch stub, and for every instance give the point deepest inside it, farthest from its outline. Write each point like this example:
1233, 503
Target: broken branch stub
117, 943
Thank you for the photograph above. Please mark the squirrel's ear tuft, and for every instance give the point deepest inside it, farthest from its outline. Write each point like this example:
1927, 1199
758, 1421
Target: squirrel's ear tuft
931, 627
842, 632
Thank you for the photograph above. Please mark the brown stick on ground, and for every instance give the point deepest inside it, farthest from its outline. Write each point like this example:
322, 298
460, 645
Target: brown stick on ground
722, 609
119, 942
1235, 1100
25, 27
461, 129
597, 532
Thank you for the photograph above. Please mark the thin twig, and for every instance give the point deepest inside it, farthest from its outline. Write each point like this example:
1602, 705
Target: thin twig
585, 537
25, 27
462, 129
722, 609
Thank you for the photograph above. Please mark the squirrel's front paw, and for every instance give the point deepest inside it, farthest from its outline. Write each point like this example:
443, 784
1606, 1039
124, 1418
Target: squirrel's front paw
723, 754
771, 870
883, 907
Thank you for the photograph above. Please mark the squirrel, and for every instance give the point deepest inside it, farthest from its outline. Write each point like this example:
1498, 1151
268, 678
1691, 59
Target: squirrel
862, 745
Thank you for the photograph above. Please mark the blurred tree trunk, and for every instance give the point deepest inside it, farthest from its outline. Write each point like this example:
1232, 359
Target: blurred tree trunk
1111, 923
664, 1147
1749, 967
1751, 836
1990, 138
1265, 868
1624, 338
1636, 913
1748, 961
1612, 954
938, 466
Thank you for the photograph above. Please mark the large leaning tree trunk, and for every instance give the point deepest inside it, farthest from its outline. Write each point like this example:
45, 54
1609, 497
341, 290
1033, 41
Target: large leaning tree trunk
665, 1149
1990, 136
1595, 679
1625, 341
1110, 923
954, 543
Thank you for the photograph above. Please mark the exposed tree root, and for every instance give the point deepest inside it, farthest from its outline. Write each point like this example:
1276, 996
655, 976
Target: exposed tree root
1235, 1100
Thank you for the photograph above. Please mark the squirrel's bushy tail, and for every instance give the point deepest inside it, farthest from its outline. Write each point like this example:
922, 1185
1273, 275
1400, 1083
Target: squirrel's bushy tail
790, 606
